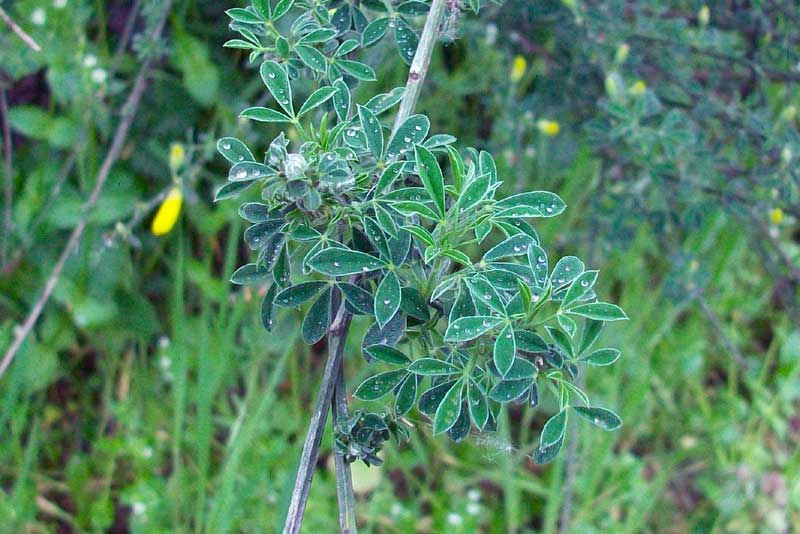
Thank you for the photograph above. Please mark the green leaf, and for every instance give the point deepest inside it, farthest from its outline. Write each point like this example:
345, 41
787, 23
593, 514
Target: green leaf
432, 367
256, 236
256, 212
413, 130
521, 368
601, 357
375, 387
406, 40
373, 130
567, 324
547, 454
357, 70
264, 115
243, 15
530, 341
266, 314
430, 400
414, 304
315, 325
474, 192
509, 390
247, 171
449, 409
383, 101
580, 286
280, 9
561, 339
605, 419
431, 175
483, 291
312, 57
591, 331
277, 82
361, 299
234, 150
554, 429
408, 208
389, 175
467, 328
298, 294
532, 204
342, 262
504, 350
320, 35
387, 298
341, 100
457, 255
346, 47
374, 31
537, 258
457, 167
420, 233
406, 395
566, 270
516, 245
599, 311
317, 98
387, 354
231, 190
251, 273
478, 407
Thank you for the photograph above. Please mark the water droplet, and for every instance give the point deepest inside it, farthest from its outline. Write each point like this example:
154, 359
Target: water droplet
516, 248
549, 210
386, 302
241, 158
271, 75
535, 298
584, 283
226, 146
407, 139
418, 128
567, 268
241, 174
560, 281
365, 269
487, 296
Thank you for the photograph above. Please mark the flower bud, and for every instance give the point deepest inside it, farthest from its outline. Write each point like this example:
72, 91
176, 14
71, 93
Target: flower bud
622, 53
295, 166
776, 215
786, 155
177, 154
638, 88
612, 84
703, 16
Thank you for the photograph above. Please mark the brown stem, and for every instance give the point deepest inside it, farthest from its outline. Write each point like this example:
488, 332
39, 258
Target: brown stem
120, 135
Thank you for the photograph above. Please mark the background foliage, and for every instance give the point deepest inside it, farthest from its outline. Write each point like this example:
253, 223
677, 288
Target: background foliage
150, 397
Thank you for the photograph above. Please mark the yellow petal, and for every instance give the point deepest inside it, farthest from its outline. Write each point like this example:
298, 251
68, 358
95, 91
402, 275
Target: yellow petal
638, 88
167, 214
518, 68
548, 128
176, 156
776, 215
704, 15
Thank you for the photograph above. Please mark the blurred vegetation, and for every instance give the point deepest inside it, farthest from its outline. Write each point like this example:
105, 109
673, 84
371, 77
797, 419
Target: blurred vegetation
149, 398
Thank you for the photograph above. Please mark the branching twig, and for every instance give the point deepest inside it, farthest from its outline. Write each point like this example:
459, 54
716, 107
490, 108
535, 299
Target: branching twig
27, 39
120, 135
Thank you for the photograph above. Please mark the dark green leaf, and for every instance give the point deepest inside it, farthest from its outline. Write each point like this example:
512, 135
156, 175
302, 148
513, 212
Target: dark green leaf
531, 204
566, 270
431, 175
430, 400
281, 8
468, 328
251, 273
387, 298
317, 98
234, 150
361, 299
406, 395
357, 70
259, 234
375, 387
509, 390
432, 367
582, 285
315, 325
548, 453
247, 171
387, 354
474, 192
599, 311
414, 304
341, 100
513, 246
373, 130
554, 429
601, 357
406, 40
449, 410
312, 57
478, 407
504, 350
262, 114
267, 315
561, 339
374, 31
413, 130
298, 294
342, 262
277, 82
605, 419
530, 341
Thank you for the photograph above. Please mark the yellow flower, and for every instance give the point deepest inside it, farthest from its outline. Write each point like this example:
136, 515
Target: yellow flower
622, 53
518, 68
548, 128
638, 88
176, 156
776, 215
167, 214
703, 16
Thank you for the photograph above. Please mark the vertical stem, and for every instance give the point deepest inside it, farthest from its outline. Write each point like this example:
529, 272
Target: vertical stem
308, 458
344, 480
9, 179
420, 63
